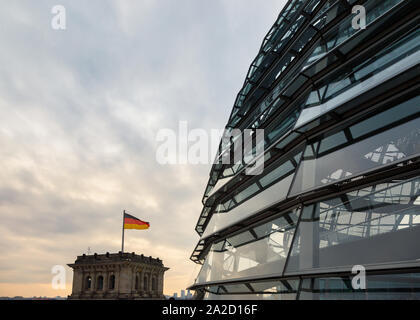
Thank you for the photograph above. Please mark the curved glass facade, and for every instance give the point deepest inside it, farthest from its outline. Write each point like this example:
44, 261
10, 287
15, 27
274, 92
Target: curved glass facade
341, 182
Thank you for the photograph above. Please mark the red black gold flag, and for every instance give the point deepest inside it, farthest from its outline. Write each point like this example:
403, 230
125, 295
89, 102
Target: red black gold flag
131, 222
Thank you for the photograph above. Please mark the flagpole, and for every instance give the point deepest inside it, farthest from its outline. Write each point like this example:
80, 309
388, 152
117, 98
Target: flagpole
122, 242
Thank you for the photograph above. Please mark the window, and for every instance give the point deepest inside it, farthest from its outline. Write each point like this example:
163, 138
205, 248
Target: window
100, 283
246, 193
112, 282
280, 171
146, 283
88, 282
154, 284
386, 118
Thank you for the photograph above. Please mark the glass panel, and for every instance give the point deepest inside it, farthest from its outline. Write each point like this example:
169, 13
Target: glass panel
282, 290
387, 57
383, 119
253, 188
382, 149
379, 227
263, 199
332, 141
275, 286
341, 80
236, 288
311, 6
281, 126
265, 58
267, 228
280, 171
261, 257
285, 296
240, 238
268, 197
383, 66
280, 223
220, 183
344, 30
405, 286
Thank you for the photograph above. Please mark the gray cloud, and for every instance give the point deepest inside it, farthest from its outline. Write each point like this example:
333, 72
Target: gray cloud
79, 112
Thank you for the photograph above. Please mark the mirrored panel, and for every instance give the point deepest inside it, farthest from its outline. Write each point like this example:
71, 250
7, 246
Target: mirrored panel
372, 226
392, 286
267, 197
261, 250
357, 149
284, 296
262, 290
343, 85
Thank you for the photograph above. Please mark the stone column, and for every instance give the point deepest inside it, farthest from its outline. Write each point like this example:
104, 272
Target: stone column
94, 275
141, 279
125, 280
155, 281
106, 280
160, 283
77, 281
93, 283
112, 271
117, 279
138, 290
85, 275
156, 291
83, 280
147, 283
133, 279
152, 280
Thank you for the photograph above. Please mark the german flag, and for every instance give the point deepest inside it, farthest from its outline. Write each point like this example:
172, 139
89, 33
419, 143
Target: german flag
131, 222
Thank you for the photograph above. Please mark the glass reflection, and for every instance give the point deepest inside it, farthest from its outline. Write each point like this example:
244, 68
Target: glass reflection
341, 81
368, 226
262, 250
404, 286
343, 31
340, 155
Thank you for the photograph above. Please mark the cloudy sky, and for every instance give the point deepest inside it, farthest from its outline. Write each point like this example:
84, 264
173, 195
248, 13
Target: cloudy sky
79, 113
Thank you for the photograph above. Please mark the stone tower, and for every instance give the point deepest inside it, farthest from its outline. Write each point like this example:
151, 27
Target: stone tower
117, 276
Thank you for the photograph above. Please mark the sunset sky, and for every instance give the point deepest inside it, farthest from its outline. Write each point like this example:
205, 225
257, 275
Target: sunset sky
79, 112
